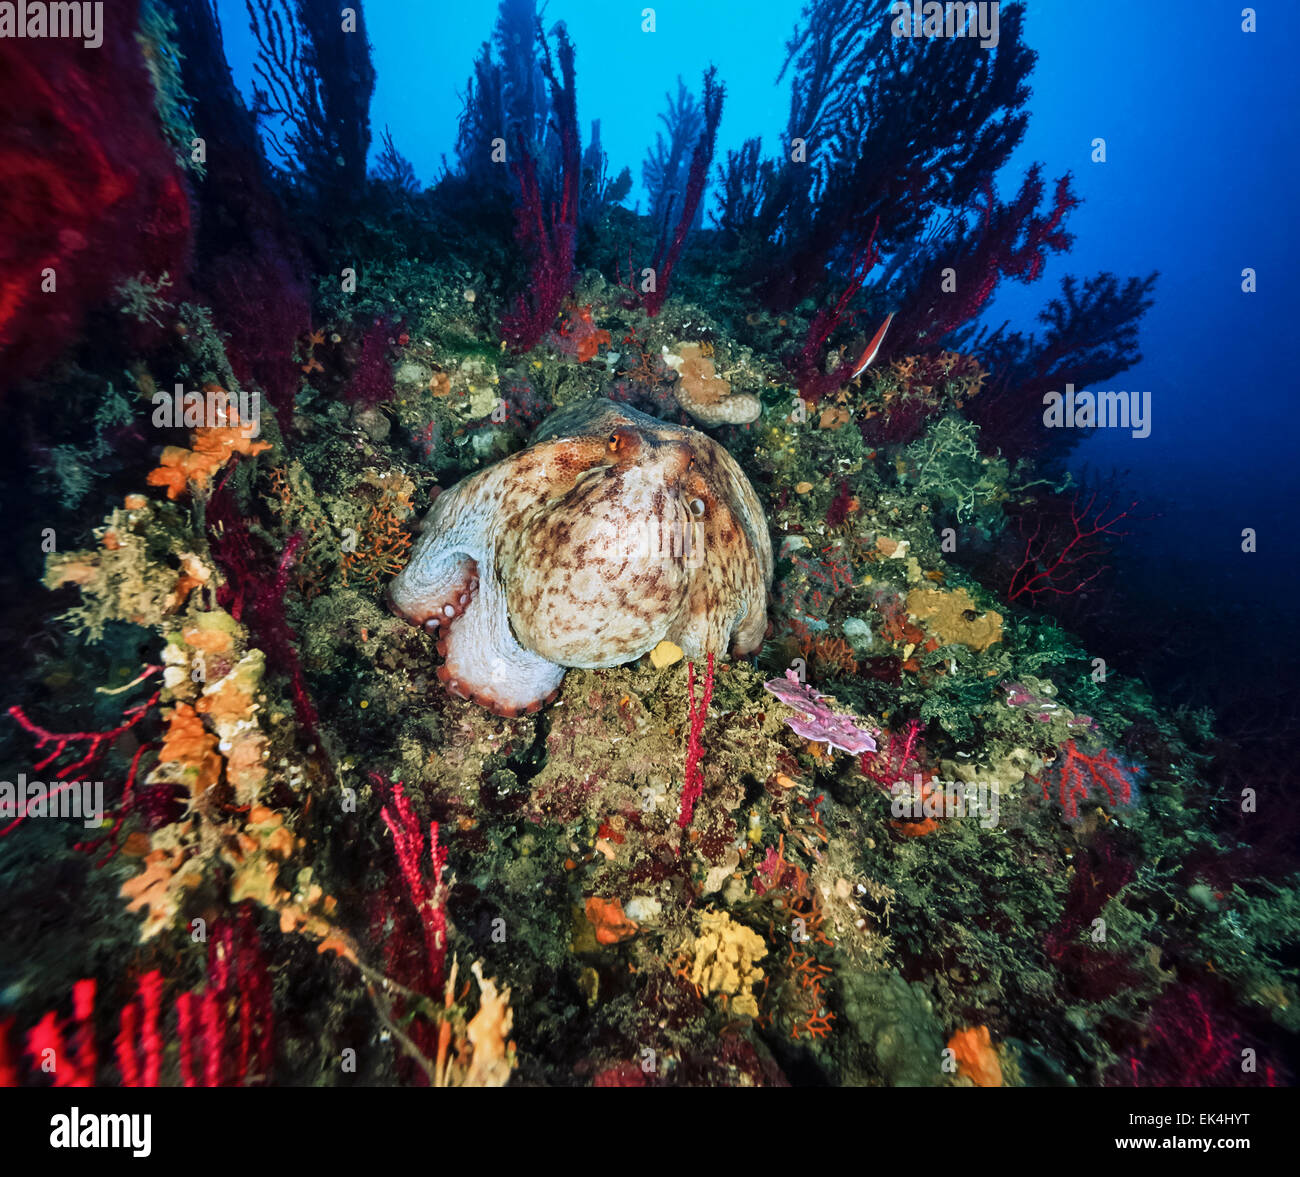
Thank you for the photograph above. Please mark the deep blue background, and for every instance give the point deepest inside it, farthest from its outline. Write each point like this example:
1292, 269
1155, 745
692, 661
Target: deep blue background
1199, 120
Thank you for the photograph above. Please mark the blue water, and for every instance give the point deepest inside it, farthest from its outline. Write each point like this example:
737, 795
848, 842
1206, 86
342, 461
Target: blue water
1200, 126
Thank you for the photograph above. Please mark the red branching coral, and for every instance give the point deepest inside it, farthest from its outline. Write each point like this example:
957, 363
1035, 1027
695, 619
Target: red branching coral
92, 194
408, 842
693, 785
1077, 774
46, 1048
227, 1027
1062, 561
313, 83
669, 248
249, 589
1091, 972
238, 1011
548, 235
138, 1043
1010, 240
808, 368
371, 382
227, 1030
899, 758
97, 745
1191, 1043
224, 1032
98, 742
838, 511
1091, 335
262, 303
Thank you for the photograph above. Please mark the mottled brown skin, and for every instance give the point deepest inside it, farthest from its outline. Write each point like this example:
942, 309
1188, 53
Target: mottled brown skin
612, 532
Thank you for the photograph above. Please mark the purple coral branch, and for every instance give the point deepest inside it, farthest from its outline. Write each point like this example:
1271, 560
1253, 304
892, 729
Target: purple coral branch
819, 722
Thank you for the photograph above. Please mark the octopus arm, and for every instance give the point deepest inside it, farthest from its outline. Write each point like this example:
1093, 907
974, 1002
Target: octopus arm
450, 588
484, 662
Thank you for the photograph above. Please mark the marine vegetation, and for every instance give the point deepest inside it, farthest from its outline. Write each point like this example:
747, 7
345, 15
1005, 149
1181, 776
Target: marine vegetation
744, 734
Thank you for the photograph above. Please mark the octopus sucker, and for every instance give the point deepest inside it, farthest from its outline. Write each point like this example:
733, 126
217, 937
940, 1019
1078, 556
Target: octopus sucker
613, 531
450, 591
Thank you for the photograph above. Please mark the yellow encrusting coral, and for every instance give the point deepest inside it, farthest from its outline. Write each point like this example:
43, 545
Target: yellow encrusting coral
953, 618
725, 956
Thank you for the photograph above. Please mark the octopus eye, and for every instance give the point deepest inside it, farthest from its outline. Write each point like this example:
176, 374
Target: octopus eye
613, 443
697, 507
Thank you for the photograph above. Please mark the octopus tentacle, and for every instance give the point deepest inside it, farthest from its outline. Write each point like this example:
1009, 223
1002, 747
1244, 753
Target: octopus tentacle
450, 588
446, 599
485, 663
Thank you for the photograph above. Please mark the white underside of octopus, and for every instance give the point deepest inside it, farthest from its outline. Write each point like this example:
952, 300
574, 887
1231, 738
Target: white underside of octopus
613, 531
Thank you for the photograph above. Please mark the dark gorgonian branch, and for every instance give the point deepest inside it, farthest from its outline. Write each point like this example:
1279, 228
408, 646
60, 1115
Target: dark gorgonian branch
314, 80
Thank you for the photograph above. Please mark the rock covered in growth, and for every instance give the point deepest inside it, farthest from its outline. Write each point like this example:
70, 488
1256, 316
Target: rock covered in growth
704, 394
953, 619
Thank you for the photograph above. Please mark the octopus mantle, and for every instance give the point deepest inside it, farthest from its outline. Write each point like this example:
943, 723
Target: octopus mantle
613, 531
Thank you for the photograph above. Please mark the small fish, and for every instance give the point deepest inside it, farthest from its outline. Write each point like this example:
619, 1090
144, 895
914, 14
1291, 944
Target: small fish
873, 347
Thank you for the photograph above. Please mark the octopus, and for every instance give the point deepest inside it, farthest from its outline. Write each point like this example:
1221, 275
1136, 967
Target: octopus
611, 532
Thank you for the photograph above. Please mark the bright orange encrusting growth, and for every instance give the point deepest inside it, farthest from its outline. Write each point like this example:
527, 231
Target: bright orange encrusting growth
189, 744
977, 1057
213, 448
926, 825
606, 916
587, 337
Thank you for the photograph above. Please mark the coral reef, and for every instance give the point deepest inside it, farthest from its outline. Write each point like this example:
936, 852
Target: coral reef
785, 775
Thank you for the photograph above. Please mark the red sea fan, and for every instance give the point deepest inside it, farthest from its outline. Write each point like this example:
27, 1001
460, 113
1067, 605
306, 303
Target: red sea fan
547, 229
671, 240
262, 305
1089, 969
92, 194
371, 382
1004, 241
1078, 775
1193, 1040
